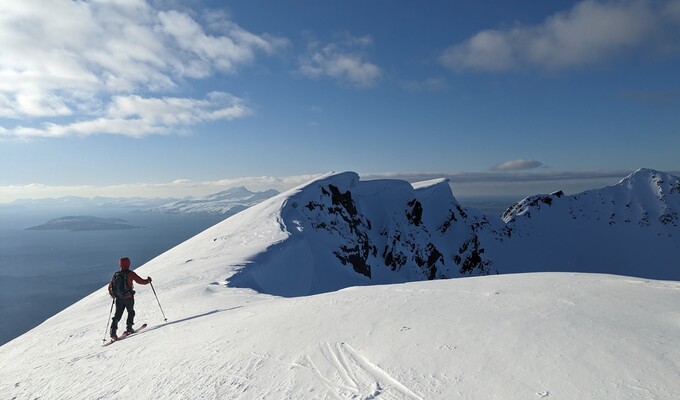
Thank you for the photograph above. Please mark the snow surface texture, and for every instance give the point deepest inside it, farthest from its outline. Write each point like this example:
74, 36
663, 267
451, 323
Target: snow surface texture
524, 336
521, 336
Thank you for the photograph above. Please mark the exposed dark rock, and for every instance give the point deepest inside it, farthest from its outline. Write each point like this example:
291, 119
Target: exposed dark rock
669, 218
429, 265
415, 215
448, 223
313, 205
344, 199
473, 261
356, 256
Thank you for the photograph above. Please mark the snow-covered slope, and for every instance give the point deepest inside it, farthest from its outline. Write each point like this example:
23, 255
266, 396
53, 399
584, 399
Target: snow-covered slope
563, 336
646, 198
630, 228
227, 202
522, 336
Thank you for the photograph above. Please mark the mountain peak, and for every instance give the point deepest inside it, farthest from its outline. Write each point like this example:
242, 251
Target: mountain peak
645, 182
645, 175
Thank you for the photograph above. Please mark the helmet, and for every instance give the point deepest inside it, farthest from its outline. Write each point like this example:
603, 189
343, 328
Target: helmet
124, 263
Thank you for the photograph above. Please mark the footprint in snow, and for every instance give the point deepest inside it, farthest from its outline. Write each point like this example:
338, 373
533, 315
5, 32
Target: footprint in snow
543, 394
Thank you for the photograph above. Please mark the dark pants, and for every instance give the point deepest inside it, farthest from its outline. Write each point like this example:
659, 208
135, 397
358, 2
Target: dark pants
122, 305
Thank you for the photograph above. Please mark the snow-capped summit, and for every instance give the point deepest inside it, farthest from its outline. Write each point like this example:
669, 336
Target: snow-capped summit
346, 232
646, 197
629, 228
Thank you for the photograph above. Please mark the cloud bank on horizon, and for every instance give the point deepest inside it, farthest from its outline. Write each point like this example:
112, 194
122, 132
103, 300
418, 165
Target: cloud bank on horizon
512, 183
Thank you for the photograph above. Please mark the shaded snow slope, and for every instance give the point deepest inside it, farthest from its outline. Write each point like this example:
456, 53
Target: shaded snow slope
525, 336
630, 228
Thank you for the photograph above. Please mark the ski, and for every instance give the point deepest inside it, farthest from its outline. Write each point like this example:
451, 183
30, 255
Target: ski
123, 336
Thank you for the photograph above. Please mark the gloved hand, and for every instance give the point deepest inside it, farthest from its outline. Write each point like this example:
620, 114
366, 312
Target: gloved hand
148, 278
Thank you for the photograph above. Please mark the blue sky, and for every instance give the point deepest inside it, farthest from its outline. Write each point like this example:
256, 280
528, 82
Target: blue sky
175, 98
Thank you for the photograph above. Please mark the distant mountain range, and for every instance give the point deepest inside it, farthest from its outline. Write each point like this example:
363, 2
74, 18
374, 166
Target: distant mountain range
388, 231
630, 228
225, 203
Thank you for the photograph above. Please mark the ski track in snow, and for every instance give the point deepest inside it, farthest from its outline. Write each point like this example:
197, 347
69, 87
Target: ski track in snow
348, 375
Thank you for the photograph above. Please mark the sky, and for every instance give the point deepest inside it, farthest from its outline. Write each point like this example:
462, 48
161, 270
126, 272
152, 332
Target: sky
176, 98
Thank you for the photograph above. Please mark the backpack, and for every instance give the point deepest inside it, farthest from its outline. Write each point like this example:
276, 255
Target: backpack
119, 285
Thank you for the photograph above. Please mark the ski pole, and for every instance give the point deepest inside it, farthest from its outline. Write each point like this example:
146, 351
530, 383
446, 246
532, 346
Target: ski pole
107, 321
159, 303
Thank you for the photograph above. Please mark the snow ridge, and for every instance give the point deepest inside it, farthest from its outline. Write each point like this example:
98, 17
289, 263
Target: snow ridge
630, 228
646, 197
346, 232
341, 231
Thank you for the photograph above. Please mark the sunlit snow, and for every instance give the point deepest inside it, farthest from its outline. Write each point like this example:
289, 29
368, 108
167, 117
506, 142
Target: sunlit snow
516, 336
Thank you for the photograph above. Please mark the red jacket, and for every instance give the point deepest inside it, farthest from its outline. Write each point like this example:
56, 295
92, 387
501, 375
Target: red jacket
131, 276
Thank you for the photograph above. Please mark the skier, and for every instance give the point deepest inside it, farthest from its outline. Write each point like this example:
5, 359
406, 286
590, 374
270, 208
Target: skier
120, 288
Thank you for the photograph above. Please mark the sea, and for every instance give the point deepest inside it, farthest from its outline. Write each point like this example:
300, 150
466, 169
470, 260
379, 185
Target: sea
44, 271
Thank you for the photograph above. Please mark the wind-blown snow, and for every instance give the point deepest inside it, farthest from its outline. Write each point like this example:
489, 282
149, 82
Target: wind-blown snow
519, 336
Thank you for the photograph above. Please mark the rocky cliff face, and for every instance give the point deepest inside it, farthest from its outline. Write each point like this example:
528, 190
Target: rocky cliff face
382, 227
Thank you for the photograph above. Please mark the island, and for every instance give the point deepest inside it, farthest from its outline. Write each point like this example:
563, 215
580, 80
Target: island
83, 223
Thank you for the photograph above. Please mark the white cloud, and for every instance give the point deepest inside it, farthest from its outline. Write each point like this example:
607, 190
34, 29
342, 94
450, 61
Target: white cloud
75, 59
136, 116
516, 165
207, 52
344, 61
591, 32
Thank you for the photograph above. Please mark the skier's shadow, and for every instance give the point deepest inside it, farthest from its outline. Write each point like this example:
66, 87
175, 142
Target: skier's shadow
219, 310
